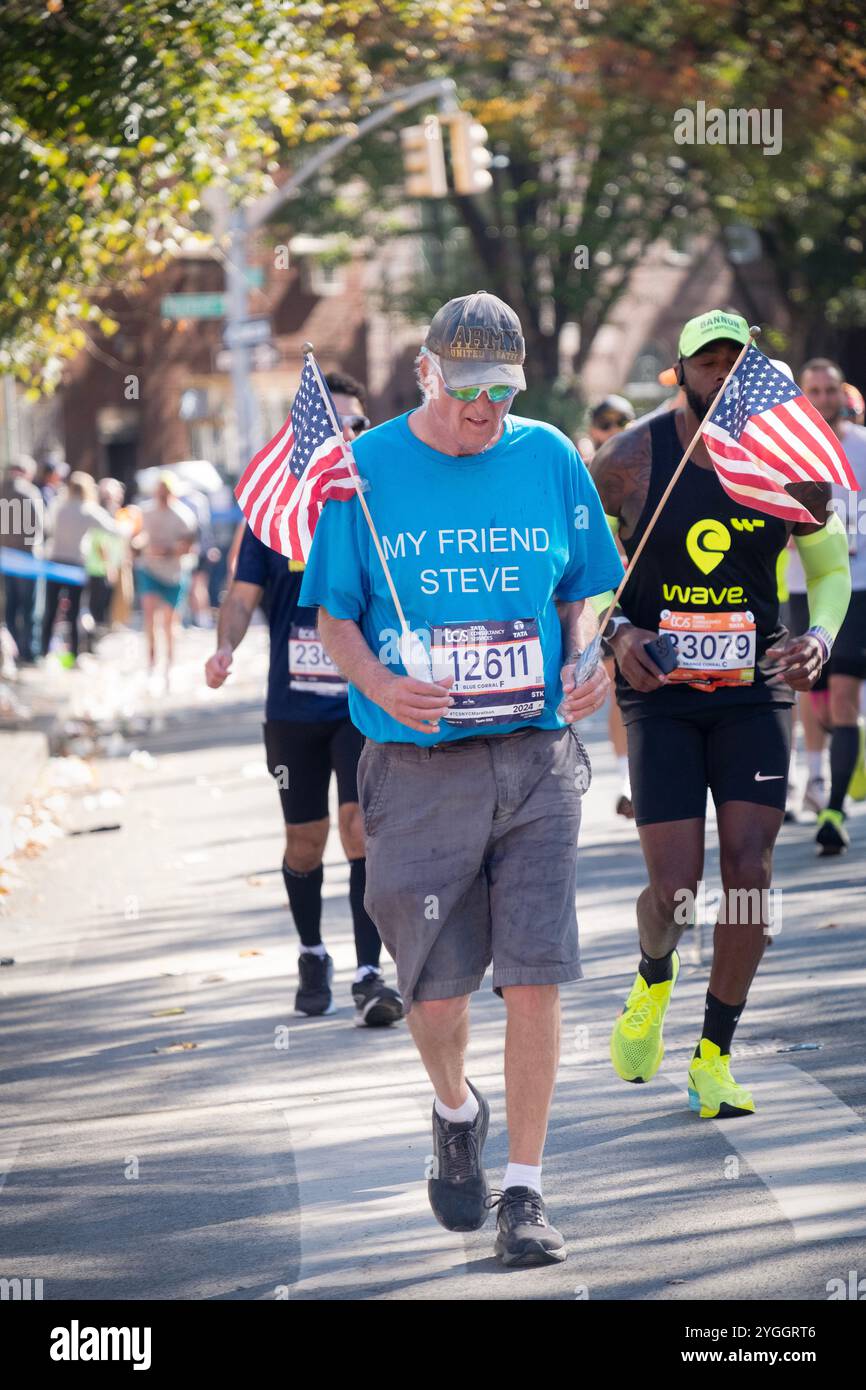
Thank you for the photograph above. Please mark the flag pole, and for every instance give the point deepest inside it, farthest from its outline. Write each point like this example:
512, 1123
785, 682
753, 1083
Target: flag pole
754, 332
358, 481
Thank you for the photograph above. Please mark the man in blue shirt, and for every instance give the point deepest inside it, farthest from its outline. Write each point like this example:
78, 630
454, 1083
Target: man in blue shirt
471, 777
308, 735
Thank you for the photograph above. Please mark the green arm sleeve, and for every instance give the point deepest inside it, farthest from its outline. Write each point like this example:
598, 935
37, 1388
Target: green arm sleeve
824, 555
601, 601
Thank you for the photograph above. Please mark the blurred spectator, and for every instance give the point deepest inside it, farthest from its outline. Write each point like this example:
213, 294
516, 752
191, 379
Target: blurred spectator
52, 475
103, 555
21, 529
607, 418
67, 523
854, 407
168, 535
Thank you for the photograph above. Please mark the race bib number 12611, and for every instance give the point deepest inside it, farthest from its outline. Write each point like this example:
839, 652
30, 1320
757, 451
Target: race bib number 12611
497, 668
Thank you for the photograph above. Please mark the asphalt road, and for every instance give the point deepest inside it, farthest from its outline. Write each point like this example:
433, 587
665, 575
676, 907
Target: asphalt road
170, 1129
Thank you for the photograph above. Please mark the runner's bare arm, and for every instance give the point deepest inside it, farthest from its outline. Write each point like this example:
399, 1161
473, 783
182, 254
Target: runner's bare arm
621, 472
417, 704
579, 626
237, 609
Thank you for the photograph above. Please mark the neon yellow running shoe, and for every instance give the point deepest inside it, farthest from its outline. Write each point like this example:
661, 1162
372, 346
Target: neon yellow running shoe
636, 1043
857, 785
713, 1092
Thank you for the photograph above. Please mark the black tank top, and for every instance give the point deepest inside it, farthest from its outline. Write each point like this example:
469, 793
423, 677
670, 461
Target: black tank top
706, 555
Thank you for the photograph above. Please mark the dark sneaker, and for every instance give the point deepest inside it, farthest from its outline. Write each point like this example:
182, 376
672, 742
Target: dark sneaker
524, 1236
376, 1005
832, 837
458, 1192
314, 984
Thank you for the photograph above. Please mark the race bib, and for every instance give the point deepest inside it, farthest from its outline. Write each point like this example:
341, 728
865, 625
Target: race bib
712, 648
311, 670
498, 670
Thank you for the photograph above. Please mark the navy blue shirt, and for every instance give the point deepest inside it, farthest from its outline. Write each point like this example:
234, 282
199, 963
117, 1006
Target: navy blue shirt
303, 683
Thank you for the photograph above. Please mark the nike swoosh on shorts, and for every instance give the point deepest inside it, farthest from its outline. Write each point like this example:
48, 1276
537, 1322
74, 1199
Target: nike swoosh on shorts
768, 776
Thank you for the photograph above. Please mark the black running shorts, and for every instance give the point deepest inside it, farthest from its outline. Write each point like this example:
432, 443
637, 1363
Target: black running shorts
848, 657
739, 753
301, 757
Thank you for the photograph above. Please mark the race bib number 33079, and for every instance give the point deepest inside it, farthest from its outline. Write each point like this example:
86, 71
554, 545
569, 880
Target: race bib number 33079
712, 648
497, 669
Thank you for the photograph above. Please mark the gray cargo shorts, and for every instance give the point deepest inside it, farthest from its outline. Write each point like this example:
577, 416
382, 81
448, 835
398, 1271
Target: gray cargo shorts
472, 857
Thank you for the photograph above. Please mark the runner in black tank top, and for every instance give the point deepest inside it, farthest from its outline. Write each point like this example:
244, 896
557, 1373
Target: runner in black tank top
718, 723
706, 554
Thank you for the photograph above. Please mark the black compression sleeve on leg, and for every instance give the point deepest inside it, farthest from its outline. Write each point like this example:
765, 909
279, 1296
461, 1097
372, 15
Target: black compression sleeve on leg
368, 943
844, 747
305, 900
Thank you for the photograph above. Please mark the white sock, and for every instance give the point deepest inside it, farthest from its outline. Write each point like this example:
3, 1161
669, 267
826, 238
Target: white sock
320, 951
815, 764
364, 970
465, 1112
522, 1175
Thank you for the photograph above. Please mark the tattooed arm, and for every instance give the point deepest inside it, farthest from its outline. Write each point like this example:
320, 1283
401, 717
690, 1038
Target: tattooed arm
621, 472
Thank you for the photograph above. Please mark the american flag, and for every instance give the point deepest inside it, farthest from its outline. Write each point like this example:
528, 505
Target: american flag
764, 433
284, 488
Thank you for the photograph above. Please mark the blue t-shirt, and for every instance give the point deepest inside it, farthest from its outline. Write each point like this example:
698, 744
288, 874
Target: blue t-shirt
300, 678
479, 547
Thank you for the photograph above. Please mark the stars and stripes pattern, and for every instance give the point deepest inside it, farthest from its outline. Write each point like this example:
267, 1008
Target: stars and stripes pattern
764, 433
282, 491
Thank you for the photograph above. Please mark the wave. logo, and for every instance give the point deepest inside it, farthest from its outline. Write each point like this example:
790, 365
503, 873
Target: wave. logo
707, 542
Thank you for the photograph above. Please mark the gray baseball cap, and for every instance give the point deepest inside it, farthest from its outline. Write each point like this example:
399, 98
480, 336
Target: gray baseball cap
478, 341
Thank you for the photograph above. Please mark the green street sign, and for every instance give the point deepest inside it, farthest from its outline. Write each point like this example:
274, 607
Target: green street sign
193, 306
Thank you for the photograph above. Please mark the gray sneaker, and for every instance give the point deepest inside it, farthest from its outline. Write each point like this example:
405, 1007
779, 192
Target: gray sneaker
458, 1191
524, 1236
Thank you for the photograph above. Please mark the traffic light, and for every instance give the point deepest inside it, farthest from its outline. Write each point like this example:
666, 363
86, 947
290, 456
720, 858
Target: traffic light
470, 157
424, 159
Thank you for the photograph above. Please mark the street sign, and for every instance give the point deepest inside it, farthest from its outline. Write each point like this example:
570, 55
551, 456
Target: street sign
265, 357
193, 306
247, 333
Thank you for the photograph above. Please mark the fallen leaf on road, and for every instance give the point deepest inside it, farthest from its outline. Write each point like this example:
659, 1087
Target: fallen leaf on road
166, 1013
213, 979
827, 926
253, 881
251, 953
177, 1047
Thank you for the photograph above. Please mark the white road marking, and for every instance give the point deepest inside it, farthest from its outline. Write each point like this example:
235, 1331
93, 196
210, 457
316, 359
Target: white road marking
806, 1146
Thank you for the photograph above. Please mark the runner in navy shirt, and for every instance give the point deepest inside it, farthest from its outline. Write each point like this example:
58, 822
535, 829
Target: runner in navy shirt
308, 735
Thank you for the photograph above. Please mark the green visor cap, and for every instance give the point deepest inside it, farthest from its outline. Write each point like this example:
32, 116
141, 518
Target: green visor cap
709, 328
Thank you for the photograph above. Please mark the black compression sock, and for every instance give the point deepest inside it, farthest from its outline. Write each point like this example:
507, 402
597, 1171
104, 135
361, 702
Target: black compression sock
305, 900
720, 1020
368, 943
656, 969
844, 747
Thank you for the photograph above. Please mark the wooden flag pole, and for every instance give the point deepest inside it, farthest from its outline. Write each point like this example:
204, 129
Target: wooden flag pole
358, 481
754, 332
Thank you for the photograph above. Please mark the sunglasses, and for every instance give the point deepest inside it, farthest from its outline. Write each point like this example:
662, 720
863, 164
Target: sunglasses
497, 394
356, 423
467, 394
